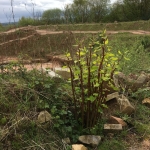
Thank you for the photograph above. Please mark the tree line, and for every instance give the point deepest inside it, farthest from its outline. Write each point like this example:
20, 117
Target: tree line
88, 11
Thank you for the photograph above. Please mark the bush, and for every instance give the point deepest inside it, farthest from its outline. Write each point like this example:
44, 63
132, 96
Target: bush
91, 79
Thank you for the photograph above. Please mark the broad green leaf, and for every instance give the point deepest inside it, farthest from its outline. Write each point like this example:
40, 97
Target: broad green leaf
82, 53
105, 78
104, 105
96, 85
108, 65
94, 67
120, 52
91, 98
94, 62
126, 58
95, 94
106, 41
102, 71
114, 58
68, 54
94, 55
104, 32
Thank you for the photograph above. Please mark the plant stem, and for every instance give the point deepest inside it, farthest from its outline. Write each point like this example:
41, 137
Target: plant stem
82, 88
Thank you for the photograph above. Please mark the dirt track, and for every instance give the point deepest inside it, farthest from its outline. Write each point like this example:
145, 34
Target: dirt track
45, 32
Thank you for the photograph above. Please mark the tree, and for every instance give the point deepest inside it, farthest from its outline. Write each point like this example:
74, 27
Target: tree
99, 9
68, 14
52, 16
80, 10
116, 12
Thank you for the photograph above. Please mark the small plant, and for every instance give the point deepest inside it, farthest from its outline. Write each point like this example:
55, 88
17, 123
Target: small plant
91, 78
141, 94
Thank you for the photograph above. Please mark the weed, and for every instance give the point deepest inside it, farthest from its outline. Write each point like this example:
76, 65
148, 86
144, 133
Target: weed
112, 144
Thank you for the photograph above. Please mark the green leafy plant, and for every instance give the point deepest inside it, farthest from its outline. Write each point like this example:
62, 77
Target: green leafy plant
91, 78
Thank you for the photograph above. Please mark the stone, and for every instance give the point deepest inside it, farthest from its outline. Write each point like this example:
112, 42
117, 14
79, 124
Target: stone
112, 128
50, 73
146, 102
125, 105
131, 82
63, 72
112, 96
92, 140
116, 120
44, 117
119, 78
141, 81
78, 147
66, 140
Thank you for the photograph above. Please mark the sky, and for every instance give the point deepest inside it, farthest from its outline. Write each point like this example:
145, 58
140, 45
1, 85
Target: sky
25, 8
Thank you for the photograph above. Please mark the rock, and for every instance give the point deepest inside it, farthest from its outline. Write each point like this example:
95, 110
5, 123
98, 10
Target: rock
125, 105
146, 102
119, 104
119, 79
141, 81
51, 73
44, 117
131, 82
63, 72
91, 140
112, 128
78, 147
66, 141
116, 120
112, 96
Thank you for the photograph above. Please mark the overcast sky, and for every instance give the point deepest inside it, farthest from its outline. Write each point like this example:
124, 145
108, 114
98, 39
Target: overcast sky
25, 7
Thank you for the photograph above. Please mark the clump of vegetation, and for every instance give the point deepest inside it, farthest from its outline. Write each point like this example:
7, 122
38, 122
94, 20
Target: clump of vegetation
132, 49
23, 95
92, 79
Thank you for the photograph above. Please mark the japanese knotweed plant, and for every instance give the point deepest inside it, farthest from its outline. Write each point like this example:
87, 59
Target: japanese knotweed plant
92, 78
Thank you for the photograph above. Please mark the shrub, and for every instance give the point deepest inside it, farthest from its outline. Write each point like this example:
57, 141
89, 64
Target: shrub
91, 78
